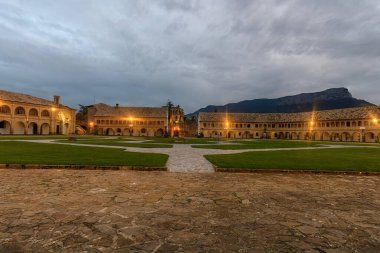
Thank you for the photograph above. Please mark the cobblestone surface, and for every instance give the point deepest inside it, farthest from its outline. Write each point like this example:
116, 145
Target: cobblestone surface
128, 211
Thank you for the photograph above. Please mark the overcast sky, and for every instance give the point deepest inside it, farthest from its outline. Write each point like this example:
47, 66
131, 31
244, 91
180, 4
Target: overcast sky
195, 53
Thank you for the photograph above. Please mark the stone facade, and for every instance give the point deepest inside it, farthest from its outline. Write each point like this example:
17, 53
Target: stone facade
24, 114
361, 124
135, 121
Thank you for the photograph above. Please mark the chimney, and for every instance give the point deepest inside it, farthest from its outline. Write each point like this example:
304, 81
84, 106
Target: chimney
56, 100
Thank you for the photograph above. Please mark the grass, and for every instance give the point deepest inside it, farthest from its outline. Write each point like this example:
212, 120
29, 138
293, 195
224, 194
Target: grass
53, 154
118, 142
260, 144
344, 159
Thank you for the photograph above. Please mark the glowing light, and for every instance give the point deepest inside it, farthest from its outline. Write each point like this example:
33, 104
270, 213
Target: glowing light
53, 109
130, 118
227, 124
91, 124
312, 123
375, 120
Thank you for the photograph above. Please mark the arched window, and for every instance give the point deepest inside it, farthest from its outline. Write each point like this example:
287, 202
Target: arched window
20, 111
45, 113
33, 112
5, 109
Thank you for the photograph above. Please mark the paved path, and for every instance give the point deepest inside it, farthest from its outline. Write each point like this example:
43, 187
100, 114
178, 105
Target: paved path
185, 158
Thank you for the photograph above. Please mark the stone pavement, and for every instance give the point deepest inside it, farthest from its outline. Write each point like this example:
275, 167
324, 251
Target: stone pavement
133, 211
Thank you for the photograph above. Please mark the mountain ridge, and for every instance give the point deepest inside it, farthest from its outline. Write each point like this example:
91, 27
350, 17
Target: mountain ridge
333, 98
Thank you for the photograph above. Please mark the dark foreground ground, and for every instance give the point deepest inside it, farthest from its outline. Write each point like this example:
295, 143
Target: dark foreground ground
125, 211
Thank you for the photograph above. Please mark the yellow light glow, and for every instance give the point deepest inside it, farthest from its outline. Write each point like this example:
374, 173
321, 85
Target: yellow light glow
130, 118
227, 123
91, 124
312, 123
53, 109
375, 120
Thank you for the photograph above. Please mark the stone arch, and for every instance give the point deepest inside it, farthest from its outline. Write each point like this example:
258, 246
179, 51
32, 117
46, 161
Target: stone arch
230, 134
5, 109
159, 132
33, 128
33, 112
246, 135
45, 129
317, 136
45, 113
273, 135
143, 132
110, 131
281, 135
20, 110
293, 136
306, 136
5, 127
335, 137
345, 137
19, 128
128, 131
214, 134
119, 132
378, 137
369, 137
326, 136
356, 137
100, 131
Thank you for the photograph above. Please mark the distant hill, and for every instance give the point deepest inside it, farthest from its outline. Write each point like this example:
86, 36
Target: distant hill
335, 98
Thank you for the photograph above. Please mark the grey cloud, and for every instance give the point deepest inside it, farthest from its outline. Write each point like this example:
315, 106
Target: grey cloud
192, 52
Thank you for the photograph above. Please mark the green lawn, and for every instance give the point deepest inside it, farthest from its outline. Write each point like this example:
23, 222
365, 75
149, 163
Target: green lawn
15, 152
345, 159
259, 144
119, 142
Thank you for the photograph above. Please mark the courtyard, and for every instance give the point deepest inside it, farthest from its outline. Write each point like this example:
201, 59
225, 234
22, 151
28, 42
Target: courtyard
273, 210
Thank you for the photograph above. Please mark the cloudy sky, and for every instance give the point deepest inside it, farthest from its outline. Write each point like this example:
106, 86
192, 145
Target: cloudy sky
192, 52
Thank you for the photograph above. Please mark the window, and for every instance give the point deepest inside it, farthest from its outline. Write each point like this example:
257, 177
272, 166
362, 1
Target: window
33, 112
20, 111
5, 109
2, 124
45, 113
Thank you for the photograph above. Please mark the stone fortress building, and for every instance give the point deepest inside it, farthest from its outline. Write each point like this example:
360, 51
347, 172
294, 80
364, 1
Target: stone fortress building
135, 121
360, 124
25, 114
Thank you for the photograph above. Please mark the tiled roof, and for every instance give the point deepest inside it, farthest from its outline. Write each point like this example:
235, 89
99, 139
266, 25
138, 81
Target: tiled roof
339, 114
106, 110
24, 98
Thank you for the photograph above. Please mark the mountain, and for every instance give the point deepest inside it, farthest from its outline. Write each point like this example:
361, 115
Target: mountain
335, 98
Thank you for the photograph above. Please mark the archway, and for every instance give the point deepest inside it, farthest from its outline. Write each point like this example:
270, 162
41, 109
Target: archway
335, 137
281, 135
118, 131
273, 135
110, 131
33, 128
369, 137
128, 131
100, 131
307, 136
356, 137
325, 136
45, 129
143, 132
346, 137
19, 128
19, 111
231, 134
317, 136
5, 127
159, 132
246, 135
214, 134
293, 136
